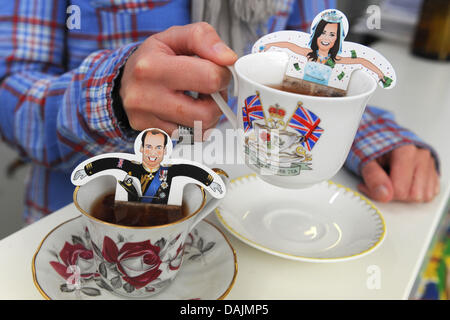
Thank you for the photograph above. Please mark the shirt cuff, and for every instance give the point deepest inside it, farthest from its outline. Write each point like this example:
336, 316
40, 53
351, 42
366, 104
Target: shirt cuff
115, 107
101, 70
379, 134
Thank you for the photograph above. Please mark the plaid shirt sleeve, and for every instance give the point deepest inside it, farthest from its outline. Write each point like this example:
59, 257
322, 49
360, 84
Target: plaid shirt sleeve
53, 116
378, 134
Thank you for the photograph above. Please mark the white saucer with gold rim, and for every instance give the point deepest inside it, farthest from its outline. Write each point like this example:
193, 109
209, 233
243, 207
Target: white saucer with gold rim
63, 267
324, 223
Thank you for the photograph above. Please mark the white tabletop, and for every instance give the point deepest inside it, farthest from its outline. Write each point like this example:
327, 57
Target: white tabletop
420, 101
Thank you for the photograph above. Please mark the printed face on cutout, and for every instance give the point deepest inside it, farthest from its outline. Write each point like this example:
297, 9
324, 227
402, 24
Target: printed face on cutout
153, 150
328, 37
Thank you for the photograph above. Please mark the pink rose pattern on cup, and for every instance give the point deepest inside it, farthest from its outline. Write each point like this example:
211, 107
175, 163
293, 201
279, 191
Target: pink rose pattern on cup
75, 263
137, 263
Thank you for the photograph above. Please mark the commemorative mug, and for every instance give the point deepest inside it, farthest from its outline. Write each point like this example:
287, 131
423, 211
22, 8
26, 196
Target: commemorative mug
292, 140
137, 261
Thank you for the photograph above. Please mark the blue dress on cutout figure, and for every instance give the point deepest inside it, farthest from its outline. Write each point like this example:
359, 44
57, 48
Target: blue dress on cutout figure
317, 72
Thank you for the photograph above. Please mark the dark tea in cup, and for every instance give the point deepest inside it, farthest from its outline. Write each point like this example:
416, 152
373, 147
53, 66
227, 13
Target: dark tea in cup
129, 213
299, 86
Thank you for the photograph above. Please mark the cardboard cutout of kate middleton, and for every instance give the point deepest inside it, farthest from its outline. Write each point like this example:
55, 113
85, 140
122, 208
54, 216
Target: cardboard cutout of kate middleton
323, 57
149, 175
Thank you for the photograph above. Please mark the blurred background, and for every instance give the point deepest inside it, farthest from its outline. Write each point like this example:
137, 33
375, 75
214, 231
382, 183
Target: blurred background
12, 191
398, 19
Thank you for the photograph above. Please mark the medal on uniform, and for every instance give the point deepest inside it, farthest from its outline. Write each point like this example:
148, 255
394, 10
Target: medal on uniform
163, 178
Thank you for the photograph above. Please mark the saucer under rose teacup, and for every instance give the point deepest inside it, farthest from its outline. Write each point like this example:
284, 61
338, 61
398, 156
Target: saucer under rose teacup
63, 266
324, 223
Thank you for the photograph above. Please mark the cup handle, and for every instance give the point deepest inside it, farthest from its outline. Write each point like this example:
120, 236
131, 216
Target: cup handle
223, 105
213, 203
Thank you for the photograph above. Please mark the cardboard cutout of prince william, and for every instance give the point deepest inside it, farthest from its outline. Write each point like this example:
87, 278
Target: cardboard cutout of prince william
149, 175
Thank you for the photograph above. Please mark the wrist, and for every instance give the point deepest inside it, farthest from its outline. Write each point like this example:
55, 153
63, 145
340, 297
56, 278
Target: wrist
378, 135
119, 114
117, 105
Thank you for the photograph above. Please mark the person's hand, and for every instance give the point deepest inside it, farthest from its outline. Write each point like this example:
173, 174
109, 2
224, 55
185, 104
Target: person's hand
181, 58
267, 46
405, 174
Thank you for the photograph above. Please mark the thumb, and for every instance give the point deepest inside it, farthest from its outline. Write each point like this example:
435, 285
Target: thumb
377, 184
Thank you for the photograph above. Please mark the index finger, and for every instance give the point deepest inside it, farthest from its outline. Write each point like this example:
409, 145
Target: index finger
198, 39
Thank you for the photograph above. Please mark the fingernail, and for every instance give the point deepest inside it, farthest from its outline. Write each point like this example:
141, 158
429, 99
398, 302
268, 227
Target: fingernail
221, 48
381, 192
437, 189
418, 197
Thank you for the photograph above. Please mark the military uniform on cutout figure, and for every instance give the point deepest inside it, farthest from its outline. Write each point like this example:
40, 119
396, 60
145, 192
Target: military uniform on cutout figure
148, 177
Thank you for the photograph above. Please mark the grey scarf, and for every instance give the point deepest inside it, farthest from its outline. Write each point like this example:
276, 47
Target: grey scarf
238, 22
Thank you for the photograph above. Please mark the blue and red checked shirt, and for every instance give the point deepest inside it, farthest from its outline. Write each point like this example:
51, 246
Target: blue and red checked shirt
56, 84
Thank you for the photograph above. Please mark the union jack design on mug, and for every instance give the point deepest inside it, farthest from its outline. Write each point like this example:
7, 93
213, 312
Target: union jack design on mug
252, 111
307, 124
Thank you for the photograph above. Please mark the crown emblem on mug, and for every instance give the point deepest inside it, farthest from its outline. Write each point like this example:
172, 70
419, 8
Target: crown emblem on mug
277, 112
